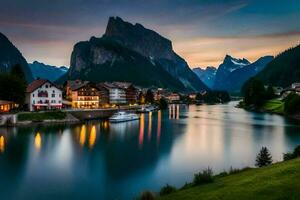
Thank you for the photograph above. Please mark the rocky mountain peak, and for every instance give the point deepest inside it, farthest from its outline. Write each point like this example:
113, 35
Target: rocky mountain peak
137, 37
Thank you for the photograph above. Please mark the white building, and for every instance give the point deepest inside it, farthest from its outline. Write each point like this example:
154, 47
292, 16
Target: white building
43, 95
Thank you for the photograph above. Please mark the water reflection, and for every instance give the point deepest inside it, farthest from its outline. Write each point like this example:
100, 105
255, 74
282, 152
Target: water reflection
92, 138
38, 141
142, 129
82, 135
160, 148
2, 144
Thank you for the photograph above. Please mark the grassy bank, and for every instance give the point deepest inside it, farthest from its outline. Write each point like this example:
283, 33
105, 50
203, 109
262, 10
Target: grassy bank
41, 116
274, 106
278, 181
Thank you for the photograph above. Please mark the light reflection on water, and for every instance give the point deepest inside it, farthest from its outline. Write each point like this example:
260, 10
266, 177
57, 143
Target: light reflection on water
99, 160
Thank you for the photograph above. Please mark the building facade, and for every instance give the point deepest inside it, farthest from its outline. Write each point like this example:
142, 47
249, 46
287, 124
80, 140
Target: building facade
43, 95
83, 94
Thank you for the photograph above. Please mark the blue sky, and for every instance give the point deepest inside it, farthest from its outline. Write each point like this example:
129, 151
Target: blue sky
202, 31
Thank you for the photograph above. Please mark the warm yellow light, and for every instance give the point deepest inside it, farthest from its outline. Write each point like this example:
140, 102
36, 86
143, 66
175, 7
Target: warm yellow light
82, 135
38, 141
2, 144
93, 136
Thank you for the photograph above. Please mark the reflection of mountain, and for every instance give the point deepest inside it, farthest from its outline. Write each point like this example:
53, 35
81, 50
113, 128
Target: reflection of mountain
13, 158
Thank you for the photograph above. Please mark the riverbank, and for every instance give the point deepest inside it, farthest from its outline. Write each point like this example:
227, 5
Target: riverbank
278, 181
273, 106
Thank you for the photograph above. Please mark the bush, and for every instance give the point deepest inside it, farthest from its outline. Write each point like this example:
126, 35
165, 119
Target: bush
290, 156
292, 103
206, 176
163, 104
168, 189
40, 116
263, 158
147, 195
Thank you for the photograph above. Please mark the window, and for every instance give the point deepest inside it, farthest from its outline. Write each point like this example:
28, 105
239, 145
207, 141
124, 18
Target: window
59, 101
46, 86
32, 95
53, 91
33, 102
53, 95
59, 95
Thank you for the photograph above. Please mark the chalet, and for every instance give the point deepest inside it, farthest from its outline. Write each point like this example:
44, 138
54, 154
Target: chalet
83, 94
42, 94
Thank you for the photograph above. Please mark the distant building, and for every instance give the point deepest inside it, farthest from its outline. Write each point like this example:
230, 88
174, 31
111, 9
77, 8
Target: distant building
295, 85
117, 95
42, 94
193, 96
173, 97
130, 91
83, 94
6, 106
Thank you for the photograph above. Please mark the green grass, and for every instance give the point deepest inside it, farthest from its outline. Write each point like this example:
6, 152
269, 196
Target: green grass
274, 106
278, 181
40, 116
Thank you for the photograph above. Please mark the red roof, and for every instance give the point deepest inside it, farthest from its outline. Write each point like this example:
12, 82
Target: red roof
35, 84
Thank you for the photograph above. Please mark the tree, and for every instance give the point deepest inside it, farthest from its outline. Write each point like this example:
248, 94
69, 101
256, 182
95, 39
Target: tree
270, 93
292, 103
263, 158
149, 96
13, 85
254, 92
163, 104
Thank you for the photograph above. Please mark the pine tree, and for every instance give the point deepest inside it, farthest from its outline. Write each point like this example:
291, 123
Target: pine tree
264, 158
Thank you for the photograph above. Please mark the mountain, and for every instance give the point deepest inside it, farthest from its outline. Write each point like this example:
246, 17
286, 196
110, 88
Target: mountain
283, 70
10, 56
131, 53
233, 72
43, 71
207, 76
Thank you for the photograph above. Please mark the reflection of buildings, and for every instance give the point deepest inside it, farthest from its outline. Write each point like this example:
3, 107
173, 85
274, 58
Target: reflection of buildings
174, 111
141, 132
38, 141
2, 144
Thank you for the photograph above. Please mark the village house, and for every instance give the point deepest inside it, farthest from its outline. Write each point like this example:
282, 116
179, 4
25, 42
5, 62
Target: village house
42, 94
130, 91
173, 97
193, 96
6, 106
295, 87
117, 95
83, 94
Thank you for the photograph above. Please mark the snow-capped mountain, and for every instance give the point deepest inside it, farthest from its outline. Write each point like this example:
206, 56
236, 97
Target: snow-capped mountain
234, 72
43, 71
206, 75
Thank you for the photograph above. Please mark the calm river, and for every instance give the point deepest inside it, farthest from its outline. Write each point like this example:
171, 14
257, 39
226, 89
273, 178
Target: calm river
99, 160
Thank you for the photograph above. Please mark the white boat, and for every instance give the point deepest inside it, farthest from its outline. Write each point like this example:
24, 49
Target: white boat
123, 117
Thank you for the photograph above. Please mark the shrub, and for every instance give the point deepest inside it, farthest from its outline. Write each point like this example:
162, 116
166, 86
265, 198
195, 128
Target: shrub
206, 176
288, 156
292, 103
147, 195
263, 158
167, 190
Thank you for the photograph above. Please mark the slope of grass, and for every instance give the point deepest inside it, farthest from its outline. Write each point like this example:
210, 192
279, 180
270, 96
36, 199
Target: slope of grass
274, 106
40, 116
278, 181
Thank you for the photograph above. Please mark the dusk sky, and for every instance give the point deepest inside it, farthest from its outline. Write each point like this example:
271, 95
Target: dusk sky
202, 31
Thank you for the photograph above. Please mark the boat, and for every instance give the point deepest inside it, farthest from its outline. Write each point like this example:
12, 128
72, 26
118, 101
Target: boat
123, 117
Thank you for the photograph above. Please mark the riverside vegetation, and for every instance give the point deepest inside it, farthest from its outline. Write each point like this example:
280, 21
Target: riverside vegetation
265, 182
